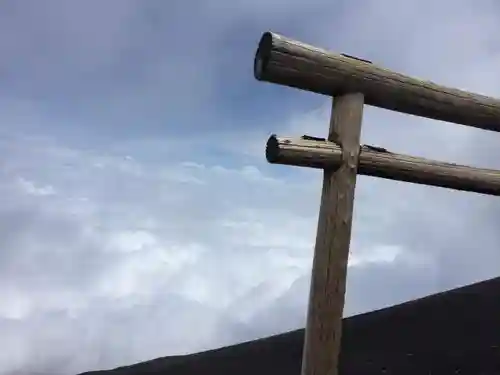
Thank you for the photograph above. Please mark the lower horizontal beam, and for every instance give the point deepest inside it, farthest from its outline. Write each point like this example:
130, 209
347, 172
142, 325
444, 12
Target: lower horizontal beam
373, 161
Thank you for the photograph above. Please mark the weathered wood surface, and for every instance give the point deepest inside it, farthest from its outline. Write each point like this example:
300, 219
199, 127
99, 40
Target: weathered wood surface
291, 63
378, 162
331, 252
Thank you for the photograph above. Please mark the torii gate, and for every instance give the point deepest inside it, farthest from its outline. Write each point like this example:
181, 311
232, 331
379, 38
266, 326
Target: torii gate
353, 82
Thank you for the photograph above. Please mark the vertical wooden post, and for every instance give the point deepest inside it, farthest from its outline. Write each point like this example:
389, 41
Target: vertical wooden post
331, 252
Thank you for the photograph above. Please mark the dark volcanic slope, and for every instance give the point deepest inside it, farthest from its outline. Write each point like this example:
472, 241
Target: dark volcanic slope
455, 332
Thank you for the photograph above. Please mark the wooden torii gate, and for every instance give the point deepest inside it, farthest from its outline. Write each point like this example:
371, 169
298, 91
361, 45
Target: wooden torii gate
353, 82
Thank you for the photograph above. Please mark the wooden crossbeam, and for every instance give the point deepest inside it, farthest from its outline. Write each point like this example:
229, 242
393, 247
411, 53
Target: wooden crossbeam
331, 251
378, 162
295, 64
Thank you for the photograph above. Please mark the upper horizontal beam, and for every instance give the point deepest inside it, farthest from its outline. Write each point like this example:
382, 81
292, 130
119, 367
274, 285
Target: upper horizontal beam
316, 153
291, 63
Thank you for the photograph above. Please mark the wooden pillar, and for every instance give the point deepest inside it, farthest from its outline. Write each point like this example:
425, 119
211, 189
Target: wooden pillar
331, 252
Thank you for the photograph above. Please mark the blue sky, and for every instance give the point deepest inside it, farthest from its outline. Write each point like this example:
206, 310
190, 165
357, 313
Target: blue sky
136, 200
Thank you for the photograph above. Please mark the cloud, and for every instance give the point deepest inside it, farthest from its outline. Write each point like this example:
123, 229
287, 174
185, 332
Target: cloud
136, 198
91, 237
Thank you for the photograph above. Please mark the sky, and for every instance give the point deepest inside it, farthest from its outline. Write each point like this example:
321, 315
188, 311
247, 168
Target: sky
138, 216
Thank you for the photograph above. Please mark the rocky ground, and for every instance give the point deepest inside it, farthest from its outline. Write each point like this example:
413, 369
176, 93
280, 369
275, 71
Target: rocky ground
456, 332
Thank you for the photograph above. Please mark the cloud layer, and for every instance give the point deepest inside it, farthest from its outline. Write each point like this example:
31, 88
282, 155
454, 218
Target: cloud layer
139, 218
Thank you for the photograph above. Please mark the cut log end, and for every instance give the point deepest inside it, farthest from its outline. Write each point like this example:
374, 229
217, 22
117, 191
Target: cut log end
272, 149
262, 55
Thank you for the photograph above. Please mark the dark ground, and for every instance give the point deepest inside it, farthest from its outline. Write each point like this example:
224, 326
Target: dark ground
455, 332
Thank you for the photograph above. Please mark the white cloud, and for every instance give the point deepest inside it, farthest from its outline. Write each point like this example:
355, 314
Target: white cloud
30, 188
229, 240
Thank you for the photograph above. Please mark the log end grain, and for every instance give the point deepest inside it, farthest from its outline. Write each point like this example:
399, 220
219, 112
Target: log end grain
272, 149
262, 55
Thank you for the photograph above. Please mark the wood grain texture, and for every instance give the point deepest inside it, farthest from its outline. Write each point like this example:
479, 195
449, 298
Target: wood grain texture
331, 252
291, 63
379, 163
